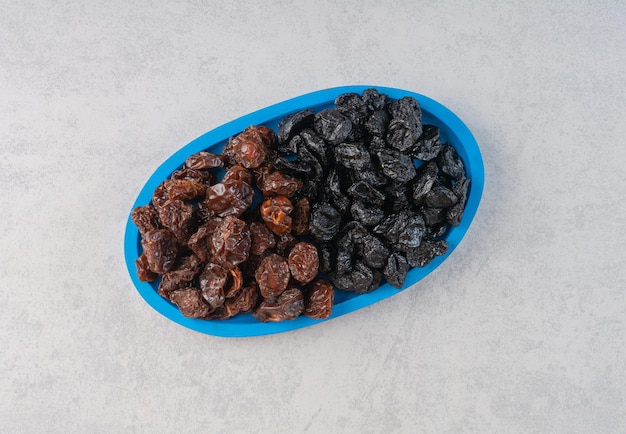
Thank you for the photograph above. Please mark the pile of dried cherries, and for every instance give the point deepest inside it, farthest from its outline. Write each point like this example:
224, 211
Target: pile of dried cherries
352, 196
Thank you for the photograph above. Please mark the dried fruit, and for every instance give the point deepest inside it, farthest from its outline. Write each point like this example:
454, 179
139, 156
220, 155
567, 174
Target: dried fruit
303, 262
230, 242
275, 212
272, 275
318, 299
288, 305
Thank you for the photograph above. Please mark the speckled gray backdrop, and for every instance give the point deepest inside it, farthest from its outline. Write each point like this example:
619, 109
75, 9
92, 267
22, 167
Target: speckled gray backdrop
522, 330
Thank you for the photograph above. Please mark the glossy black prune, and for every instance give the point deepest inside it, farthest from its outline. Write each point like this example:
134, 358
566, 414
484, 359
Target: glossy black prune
450, 163
377, 123
396, 165
374, 252
353, 156
366, 214
332, 126
366, 193
293, 124
315, 145
324, 222
426, 176
455, 212
359, 280
426, 252
428, 145
396, 270
440, 197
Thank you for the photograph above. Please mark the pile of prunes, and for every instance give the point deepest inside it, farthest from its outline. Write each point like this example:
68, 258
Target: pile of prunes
383, 187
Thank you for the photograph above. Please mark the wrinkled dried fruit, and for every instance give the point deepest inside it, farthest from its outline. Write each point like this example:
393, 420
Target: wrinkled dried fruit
318, 299
160, 248
190, 302
275, 212
145, 218
303, 262
272, 275
204, 160
262, 238
288, 305
229, 198
230, 242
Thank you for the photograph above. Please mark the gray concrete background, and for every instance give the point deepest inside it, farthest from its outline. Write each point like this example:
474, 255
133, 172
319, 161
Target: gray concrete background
523, 329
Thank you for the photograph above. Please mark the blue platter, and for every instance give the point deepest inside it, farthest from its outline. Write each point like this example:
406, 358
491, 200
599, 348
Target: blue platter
452, 130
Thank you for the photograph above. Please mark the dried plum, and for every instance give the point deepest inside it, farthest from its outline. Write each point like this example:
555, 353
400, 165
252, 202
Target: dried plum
450, 163
292, 124
426, 252
440, 197
353, 156
366, 214
359, 280
396, 269
332, 126
426, 176
396, 166
460, 189
366, 193
325, 222
428, 145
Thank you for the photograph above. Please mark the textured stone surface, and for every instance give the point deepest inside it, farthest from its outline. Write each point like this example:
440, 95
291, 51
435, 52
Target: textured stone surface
522, 330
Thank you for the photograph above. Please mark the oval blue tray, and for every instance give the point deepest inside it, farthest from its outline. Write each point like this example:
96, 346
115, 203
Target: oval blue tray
452, 130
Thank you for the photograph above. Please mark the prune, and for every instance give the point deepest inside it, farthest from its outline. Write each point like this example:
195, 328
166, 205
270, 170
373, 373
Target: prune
190, 302
377, 123
300, 219
332, 126
288, 305
345, 253
143, 269
262, 238
292, 124
396, 166
177, 216
396, 270
401, 134
409, 109
365, 214
376, 144
318, 299
397, 199
352, 105
275, 212
229, 198
212, 284
428, 145
440, 197
455, 212
160, 248
238, 173
374, 252
359, 280
433, 216
374, 100
438, 230
204, 160
325, 222
353, 156
426, 176
411, 234
180, 189
272, 275
145, 218
295, 167
303, 262
336, 196
450, 163
200, 241
277, 184
366, 193
230, 242
307, 157
326, 257
200, 176
315, 144
243, 301
285, 243
373, 177
426, 252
